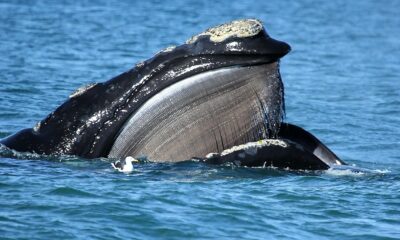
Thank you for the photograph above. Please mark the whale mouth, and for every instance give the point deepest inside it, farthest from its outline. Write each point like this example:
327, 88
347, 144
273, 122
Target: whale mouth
207, 112
220, 89
235, 113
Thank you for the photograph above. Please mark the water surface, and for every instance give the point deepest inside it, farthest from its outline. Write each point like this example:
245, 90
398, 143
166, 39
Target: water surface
342, 83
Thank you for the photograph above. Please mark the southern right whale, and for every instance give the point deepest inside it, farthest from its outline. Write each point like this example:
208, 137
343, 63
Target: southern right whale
221, 93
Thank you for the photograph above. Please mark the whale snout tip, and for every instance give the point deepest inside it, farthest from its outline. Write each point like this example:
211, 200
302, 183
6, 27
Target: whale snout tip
242, 36
287, 47
278, 48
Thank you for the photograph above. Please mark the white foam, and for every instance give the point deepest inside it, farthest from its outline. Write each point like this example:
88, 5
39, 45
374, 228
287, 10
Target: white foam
346, 170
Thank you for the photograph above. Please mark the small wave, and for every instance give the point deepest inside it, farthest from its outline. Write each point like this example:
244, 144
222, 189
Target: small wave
5, 185
10, 153
70, 192
6, 152
346, 170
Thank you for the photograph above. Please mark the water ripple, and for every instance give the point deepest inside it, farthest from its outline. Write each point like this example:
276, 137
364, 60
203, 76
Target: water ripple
341, 83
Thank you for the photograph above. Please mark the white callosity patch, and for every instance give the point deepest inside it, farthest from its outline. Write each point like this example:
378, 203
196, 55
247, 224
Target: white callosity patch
140, 64
82, 90
251, 147
233, 46
167, 49
239, 28
36, 128
211, 155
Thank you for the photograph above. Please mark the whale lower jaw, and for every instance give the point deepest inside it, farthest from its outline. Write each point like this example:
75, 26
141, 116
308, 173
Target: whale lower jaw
294, 148
207, 112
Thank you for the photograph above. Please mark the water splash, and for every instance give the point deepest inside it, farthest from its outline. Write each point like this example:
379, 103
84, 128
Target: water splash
347, 170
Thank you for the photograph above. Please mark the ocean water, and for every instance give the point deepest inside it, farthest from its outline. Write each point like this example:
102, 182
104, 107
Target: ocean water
342, 83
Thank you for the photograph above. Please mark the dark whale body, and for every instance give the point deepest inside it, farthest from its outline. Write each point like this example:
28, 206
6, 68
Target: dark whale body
295, 148
220, 89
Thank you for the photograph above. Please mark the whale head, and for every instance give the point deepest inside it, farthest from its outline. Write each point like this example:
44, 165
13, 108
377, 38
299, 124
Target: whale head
219, 89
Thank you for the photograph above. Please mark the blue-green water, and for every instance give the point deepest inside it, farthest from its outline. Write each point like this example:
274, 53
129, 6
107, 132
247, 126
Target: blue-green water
342, 83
